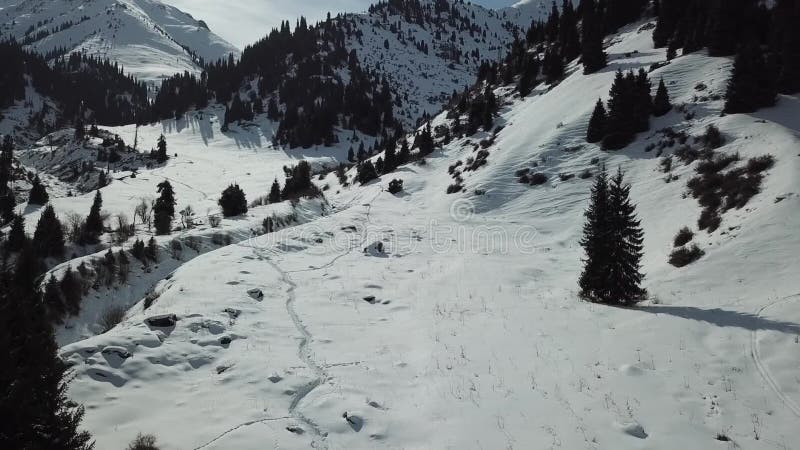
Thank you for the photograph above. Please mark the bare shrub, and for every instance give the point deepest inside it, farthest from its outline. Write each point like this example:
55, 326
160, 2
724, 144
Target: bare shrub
112, 317
214, 220
143, 442
124, 229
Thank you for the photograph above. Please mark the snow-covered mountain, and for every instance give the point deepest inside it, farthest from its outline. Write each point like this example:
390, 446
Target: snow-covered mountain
428, 54
463, 328
149, 39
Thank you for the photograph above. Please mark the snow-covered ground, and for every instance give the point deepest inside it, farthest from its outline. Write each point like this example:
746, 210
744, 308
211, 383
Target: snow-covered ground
149, 39
466, 330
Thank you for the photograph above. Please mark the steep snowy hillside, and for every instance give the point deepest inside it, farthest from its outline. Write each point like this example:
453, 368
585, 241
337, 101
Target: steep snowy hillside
150, 39
429, 53
427, 320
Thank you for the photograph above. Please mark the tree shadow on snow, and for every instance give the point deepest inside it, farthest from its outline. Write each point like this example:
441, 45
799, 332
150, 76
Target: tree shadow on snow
725, 318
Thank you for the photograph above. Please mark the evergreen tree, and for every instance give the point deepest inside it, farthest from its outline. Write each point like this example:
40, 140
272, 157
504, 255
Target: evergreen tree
551, 26
233, 201
661, 104
597, 124
669, 14
622, 104
164, 208
624, 267
592, 54
366, 172
274, 193
351, 157
160, 154
751, 85
612, 241
36, 411
404, 156
49, 235
569, 38
595, 241
7, 204
152, 250
56, 308
643, 102
38, 194
425, 141
17, 238
93, 227
71, 289
553, 66
6, 162
390, 159
789, 78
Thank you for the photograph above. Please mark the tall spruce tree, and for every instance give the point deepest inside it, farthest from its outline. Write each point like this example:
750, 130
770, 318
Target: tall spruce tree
789, 78
36, 411
38, 194
612, 242
592, 54
164, 208
49, 235
661, 103
752, 85
274, 193
93, 227
597, 124
160, 154
595, 242
16, 235
643, 102
626, 238
568, 36
233, 201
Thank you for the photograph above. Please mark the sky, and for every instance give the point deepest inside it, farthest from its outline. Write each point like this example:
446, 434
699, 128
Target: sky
242, 22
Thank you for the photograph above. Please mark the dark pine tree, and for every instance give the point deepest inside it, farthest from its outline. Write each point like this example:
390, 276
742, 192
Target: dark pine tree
164, 208
93, 227
595, 241
751, 85
48, 239
36, 411
624, 265
274, 193
592, 54
643, 102
233, 201
597, 124
789, 78
17, 238
366, 172
569, 38
38, 194
160, 154
71, 289
669, 14
552, 24
661, 103
7, 204
56, 309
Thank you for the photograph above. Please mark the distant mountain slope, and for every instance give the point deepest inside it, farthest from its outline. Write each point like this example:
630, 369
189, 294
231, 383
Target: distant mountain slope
151, 40
427, 49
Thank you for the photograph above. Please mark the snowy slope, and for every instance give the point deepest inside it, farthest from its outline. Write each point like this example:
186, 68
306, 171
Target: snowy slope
148, 38
467, 331
423, 82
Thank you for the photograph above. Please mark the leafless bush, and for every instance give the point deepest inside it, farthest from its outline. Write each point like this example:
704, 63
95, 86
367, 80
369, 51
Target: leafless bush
112, 317
214, 220
73, 226
124, 229
143, 442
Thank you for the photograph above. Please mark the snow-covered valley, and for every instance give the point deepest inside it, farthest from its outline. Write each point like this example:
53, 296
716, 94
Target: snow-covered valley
466, 330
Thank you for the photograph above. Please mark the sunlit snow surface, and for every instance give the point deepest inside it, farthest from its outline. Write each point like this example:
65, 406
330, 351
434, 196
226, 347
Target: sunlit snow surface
466, 330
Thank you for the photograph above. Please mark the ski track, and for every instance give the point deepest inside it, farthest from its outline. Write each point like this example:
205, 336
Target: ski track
763, 370
245, 424
304, 350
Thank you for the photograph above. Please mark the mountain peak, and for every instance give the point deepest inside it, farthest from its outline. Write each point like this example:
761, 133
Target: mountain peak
150, 39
